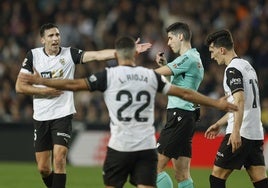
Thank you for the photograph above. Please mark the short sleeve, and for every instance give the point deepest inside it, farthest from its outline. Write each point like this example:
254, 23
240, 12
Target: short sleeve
98, 81
77, 55
234, 79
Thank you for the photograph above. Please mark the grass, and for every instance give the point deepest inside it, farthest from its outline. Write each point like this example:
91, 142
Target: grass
18, 174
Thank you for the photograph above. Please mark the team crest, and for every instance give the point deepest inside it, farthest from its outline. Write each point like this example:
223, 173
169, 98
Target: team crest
62, 61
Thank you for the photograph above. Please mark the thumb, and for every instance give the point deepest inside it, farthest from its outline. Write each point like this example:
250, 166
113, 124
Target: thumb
138, 40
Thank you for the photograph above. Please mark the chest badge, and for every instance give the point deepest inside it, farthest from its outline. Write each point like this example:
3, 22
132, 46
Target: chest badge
62, 61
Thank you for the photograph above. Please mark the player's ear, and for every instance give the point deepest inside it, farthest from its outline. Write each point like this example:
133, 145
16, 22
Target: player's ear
180, 36
42, 40
222, 50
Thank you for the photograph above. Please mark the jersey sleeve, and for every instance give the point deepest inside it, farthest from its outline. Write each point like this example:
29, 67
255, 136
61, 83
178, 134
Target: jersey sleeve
98, 81
27, 64
234, 80
163, 84
179, 65
77, 55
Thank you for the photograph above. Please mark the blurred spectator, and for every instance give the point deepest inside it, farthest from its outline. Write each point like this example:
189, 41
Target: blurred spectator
94, 25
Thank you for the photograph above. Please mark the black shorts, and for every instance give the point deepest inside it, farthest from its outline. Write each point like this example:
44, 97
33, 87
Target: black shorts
249, 154
48, 133
141, 166
176, 137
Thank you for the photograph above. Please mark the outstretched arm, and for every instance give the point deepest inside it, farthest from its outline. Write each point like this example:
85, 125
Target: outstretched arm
199, 98
66, 84
110, 53
60, 84
98, 55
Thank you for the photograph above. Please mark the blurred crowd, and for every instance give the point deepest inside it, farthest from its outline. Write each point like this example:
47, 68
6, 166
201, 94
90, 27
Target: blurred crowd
94, 25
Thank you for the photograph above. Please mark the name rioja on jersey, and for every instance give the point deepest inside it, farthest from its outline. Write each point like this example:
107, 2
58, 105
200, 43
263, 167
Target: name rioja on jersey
134, 77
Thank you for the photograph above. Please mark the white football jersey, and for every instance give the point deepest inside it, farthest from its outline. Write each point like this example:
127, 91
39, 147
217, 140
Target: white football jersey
129, 93
240, 75
61, 66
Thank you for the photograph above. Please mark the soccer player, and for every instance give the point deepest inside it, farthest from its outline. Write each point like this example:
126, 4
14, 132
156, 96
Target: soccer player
53, 109
243, 142
175, 141
129, 93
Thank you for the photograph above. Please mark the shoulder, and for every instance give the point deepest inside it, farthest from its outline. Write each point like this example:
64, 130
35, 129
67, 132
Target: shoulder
36, 53
239, 64
36, 50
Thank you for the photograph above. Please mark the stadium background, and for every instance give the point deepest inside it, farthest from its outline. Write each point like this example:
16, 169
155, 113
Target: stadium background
94, 25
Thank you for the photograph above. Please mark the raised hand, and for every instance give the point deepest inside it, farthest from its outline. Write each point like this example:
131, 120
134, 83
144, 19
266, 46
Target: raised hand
30, 78
52, 92
161, 59
142, 47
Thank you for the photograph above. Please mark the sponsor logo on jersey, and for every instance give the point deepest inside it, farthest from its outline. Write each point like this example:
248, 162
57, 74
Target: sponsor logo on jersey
63, 134
180, 63
235, 81
46, 74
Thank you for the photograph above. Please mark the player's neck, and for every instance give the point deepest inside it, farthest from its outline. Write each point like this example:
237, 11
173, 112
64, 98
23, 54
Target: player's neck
230, 57
127, 62
185, 47
51, 52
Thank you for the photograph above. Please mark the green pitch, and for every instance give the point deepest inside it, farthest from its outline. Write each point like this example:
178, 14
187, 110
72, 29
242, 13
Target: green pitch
16, 174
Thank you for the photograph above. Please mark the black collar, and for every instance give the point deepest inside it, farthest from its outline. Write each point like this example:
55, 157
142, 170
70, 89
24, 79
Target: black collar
49, 55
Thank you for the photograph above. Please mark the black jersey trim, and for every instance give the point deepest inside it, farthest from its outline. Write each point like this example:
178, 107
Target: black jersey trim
98, 81
77, 55
28, 62
161, 84
48, 55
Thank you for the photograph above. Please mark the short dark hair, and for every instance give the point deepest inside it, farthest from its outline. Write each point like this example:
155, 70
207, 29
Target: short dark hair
125, 47
180, 27
45, 27
221, 38
124, 42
